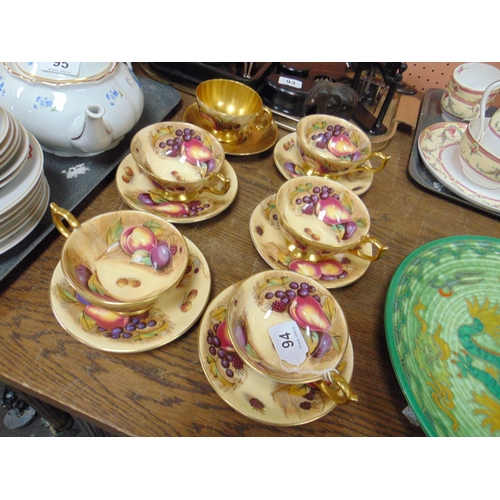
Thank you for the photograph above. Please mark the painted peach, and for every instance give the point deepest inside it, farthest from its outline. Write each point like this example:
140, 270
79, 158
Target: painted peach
137, 238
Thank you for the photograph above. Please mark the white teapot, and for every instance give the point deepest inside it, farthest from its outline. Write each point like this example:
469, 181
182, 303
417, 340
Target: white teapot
73, 109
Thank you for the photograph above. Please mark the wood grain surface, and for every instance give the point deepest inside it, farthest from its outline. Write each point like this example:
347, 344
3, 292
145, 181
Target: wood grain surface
164, 392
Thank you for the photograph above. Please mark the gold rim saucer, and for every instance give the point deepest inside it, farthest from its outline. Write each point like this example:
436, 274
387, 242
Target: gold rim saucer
133, 186
173, 315
251, 393
255, 142
289, 162
270, 243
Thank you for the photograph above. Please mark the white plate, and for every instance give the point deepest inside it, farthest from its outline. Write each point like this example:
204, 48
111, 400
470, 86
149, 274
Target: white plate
4, 124
28, 226
10, 143
439, 148
29, 175
10, 169
11, 223
6, 217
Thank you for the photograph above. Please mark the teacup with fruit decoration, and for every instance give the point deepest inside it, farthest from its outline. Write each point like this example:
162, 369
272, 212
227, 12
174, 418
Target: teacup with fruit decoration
231, 109
330, 146
292, 330
321, 218
180, 159
120, 263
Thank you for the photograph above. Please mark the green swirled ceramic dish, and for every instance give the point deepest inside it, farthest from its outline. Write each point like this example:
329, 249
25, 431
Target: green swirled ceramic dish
442, 322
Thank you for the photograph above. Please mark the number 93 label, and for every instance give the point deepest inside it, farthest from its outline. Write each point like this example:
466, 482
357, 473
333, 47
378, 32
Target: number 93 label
289, 342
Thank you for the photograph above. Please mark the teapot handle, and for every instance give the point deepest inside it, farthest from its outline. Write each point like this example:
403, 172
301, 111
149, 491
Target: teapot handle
482, 110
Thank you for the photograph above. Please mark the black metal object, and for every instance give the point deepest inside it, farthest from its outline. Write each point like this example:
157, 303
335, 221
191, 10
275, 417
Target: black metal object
367, 82
19, 413
331, 98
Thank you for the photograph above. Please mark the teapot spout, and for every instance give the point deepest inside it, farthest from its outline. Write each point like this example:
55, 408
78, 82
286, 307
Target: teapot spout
95, 135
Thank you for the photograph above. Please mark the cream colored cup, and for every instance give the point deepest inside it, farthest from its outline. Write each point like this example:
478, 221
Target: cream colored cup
321, 218
180, 159
463, 92
332, 146
231, 109
121, 262
292, 330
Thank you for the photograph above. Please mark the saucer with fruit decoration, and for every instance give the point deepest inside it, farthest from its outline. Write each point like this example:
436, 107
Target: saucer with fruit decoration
248, 391
341, 270
254, 141
140, 194
289, 162
174, 313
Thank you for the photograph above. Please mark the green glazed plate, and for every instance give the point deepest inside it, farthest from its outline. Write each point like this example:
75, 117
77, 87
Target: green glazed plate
442, 322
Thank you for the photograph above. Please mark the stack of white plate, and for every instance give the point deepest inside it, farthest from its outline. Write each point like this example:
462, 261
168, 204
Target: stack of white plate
24, 190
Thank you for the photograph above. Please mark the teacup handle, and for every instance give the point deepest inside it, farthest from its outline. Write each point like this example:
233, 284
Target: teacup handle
377, 154
342, 394
263, 120
226, 184
482, 110
61, 214
379, 248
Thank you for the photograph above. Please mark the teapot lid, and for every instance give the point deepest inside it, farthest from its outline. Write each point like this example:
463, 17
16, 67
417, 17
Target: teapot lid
61, 72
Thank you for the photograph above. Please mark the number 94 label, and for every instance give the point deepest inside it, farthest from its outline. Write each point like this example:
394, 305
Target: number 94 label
289, 342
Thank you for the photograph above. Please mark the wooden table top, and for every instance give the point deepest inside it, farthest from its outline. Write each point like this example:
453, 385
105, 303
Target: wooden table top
164, 392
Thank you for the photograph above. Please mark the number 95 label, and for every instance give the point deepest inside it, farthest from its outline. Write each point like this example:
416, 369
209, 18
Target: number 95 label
289, 342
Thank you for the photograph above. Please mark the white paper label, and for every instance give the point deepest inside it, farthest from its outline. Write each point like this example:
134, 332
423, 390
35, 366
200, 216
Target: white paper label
285, 80
65, 68
289, 342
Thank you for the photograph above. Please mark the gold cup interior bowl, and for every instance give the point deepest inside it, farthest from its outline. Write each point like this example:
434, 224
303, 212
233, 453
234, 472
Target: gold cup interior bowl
121, 261
228, 97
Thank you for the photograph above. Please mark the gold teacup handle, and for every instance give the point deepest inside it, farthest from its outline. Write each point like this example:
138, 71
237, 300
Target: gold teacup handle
342, 394
379, 247
373, 170
226, 184
263, 120
58, 215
